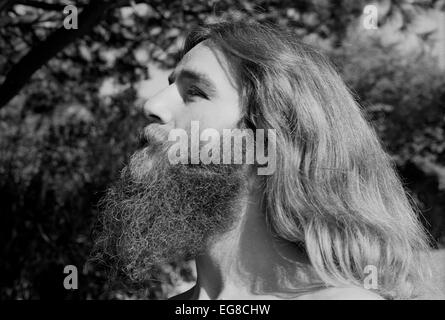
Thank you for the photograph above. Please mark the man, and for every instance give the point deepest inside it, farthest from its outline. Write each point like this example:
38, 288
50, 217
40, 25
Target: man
332, 221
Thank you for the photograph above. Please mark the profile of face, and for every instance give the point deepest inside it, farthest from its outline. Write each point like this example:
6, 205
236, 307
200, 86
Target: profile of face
200, 89
160, 212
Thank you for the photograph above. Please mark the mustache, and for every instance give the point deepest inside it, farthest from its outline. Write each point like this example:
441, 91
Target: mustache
153, 135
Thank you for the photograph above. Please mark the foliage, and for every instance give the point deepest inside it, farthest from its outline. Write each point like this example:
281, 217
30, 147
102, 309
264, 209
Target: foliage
64, 138
404, 98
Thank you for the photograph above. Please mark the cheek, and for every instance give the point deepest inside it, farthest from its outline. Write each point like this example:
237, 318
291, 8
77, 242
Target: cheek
209, 115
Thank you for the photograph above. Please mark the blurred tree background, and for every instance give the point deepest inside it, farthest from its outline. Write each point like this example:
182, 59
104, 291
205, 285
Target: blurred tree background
69, 115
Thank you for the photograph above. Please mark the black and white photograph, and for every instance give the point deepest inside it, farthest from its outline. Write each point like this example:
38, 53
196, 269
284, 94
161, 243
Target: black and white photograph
187, 150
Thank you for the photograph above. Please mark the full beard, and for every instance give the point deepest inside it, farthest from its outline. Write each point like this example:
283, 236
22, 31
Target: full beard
158, 213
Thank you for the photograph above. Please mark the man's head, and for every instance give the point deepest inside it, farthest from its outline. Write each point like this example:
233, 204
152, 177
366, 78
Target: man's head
159, 212
334, 189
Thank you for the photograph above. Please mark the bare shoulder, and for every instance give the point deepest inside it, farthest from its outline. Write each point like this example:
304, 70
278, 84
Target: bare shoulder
352, 293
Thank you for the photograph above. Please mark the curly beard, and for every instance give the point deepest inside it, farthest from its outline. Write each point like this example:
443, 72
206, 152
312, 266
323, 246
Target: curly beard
159, 213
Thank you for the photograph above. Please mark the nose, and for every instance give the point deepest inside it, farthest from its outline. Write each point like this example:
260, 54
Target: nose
161, 107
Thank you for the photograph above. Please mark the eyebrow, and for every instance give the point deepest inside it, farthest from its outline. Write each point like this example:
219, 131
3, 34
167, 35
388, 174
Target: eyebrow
197, 77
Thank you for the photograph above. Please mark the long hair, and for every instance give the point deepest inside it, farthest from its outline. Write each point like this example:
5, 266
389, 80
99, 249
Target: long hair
335, 189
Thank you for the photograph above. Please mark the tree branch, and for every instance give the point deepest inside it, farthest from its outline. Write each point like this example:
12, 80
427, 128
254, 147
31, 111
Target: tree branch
5, 5
45, 50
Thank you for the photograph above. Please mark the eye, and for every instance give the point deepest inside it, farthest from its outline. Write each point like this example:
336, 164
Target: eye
194, 92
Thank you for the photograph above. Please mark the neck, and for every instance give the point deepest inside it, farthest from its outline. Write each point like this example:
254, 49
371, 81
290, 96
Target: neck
249, 262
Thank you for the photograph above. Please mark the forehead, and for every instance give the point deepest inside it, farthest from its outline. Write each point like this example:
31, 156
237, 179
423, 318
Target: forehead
206, 59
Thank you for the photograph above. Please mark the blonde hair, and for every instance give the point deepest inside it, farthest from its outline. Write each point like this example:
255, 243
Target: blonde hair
335, 189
